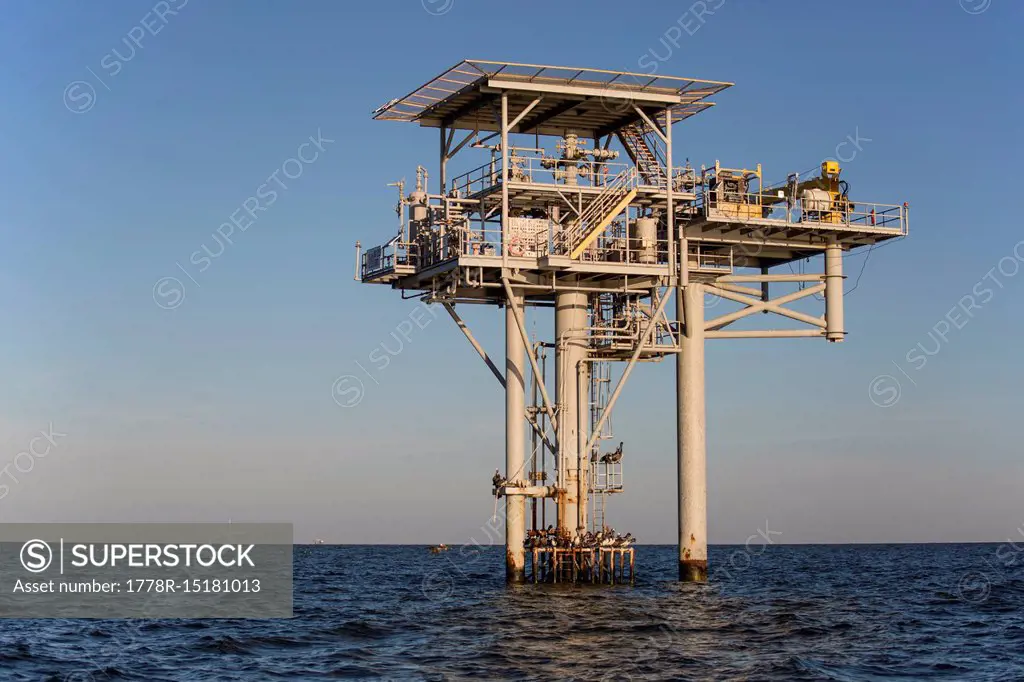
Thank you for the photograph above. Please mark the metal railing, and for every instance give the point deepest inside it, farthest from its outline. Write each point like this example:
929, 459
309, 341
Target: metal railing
701, 257
768, 205
537, 169
382, 259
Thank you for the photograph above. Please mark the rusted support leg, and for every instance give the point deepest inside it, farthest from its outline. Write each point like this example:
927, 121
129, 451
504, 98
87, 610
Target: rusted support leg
692, 453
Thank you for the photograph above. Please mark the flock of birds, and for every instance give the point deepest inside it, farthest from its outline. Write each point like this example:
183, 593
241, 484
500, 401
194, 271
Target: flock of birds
561, 538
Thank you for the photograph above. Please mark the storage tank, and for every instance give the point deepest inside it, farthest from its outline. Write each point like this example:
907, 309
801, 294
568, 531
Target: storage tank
816, 200
417, 214
644, 239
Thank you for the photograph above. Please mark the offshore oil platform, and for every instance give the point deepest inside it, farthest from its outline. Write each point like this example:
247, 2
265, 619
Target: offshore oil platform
578, 204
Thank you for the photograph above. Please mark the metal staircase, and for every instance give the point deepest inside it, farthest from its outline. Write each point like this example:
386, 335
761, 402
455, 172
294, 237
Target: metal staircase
647, 160
599, 213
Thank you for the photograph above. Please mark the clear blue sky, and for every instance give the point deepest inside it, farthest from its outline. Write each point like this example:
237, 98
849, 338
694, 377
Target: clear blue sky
121, 160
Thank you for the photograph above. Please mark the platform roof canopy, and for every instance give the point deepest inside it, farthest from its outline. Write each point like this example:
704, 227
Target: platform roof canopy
591, 102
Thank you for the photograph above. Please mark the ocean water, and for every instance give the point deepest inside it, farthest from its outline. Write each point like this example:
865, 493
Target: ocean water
886, 612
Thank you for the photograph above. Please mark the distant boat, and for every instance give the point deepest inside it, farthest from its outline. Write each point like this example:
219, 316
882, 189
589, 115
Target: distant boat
437, 549
318, 541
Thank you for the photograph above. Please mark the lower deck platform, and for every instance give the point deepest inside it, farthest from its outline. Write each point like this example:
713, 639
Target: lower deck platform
579, 565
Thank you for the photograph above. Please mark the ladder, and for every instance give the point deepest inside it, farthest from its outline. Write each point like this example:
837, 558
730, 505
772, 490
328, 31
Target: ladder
597, 518
600, 392
599, 213
646, 159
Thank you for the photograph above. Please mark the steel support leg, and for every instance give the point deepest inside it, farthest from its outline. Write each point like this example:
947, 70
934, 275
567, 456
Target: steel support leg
515, 443
692, 449
834, 330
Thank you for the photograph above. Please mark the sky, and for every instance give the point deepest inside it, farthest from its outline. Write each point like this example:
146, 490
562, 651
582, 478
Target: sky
133, 131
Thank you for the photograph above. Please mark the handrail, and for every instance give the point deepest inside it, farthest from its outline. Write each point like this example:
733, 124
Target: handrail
769, 206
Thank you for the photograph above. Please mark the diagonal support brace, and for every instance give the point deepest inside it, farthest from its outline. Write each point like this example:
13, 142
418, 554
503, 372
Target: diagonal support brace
473, 342
775, 305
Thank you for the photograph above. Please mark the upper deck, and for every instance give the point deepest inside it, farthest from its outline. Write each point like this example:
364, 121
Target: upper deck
593, 102
608, 204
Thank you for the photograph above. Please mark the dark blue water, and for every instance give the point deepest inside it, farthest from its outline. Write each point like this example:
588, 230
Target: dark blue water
906, 612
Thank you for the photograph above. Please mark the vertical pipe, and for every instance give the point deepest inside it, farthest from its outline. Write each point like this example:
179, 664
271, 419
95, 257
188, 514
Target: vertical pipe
504, 179
570, 352
692, 453
515, 455
582, 431
834, 330
444, 161
533, 468
543, 358
678, 265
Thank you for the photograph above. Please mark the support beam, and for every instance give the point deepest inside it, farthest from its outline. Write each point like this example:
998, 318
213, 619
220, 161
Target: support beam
535, 491
494, 370
692, 446
540, 432
769, 278
766, 334
473, 342
515, 443
755, 305
655, 128
469, 136
530, 107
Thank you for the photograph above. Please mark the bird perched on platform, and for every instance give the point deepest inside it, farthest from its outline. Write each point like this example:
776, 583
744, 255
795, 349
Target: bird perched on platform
613, 456
498, 479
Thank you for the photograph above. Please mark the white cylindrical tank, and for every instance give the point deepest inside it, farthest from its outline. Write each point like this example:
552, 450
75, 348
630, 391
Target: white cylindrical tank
418, 212
818, 200
645, 240
417, 205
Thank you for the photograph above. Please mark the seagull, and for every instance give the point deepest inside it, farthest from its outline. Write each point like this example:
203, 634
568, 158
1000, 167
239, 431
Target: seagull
614, 456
